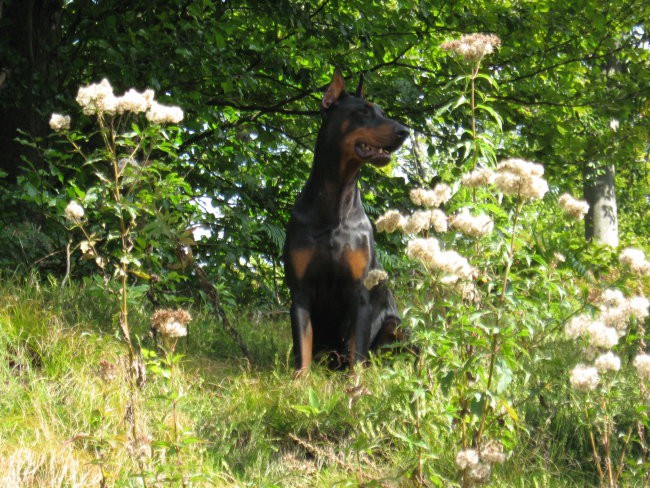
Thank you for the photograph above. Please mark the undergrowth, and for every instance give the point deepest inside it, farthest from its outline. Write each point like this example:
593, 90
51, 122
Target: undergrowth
63, 424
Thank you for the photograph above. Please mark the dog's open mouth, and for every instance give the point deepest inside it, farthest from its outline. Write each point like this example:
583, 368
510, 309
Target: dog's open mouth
373, 154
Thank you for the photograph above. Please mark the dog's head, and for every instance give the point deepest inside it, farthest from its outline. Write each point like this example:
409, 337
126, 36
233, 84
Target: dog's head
363, 131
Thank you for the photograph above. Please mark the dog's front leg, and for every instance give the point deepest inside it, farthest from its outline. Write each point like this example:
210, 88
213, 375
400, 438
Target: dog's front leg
303, 335
361, 331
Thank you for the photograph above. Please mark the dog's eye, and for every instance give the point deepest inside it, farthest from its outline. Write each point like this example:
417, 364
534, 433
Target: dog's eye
367, 111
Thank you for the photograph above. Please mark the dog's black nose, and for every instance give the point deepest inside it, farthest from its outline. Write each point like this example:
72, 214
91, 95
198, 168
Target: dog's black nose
402, 132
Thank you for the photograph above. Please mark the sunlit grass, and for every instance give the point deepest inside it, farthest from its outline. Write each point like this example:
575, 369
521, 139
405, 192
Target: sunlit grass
249, 423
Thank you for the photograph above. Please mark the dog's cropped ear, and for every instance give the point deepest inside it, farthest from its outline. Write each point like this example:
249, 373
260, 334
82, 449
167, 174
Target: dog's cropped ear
334, 91
360, 93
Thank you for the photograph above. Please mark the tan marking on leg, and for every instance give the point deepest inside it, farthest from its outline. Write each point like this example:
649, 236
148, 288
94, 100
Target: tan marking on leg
300, 258
306, 347
357, 261
352, 351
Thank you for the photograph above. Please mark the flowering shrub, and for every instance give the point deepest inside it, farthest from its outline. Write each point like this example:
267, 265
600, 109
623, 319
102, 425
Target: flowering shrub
490, 288
135, 206
611, 328
136, 201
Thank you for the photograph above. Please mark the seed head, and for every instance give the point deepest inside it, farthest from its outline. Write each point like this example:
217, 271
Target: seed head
480, 473
134, 101
601, 335
164, 114
492, 452
638, 307
74, 212
440, 194
635, 261
472, 225
467, 459
576, 209
390, 221
171, 323
521, 178
375, 276
97, 98
584, 378
642, 365
107, 371
608, 362
59, 122
478, 177
577, 326
472, 47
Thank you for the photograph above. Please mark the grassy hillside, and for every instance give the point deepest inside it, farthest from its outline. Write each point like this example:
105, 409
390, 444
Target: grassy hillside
66, 422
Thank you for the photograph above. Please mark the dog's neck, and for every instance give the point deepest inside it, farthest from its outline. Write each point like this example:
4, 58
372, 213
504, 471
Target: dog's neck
335, 191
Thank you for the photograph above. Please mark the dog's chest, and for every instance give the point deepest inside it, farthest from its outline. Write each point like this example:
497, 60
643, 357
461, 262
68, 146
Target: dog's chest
347, 248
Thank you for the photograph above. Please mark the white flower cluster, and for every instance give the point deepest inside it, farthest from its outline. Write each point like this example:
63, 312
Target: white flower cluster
512, 177
99, 98
390, 221
421, 220
479, 177
423, 249
375, 276
477, 464
472, 225
171, 323
635, 260
603, 332
466, 459
521, 178
615, 312
473, 47
584, 378
417, 222
577, 209
642, 365
608, 362
452, 264
440, 194
74, 211
59, 122
601, 335
135, 102
163, 114
577, 326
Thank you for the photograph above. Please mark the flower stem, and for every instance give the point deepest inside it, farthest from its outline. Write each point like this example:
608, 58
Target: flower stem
473, 109
486, 406
511, 250
172, 380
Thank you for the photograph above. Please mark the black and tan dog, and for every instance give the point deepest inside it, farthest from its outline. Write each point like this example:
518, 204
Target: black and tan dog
330, 246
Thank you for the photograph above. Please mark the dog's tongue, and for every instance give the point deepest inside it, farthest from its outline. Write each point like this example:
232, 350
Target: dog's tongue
375, 155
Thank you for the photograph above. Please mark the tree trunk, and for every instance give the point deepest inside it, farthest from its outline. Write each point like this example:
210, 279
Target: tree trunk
601, 223
29, 29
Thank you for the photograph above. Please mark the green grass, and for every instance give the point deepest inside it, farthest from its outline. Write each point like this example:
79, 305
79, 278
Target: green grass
244, 424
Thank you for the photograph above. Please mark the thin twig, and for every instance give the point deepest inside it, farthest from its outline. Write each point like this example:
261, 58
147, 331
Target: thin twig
67, 265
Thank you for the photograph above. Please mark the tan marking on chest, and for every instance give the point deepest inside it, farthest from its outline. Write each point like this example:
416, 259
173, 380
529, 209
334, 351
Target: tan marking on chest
300, 258
357, 261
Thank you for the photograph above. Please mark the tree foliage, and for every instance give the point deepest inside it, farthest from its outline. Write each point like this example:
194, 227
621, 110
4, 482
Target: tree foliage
249, 75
